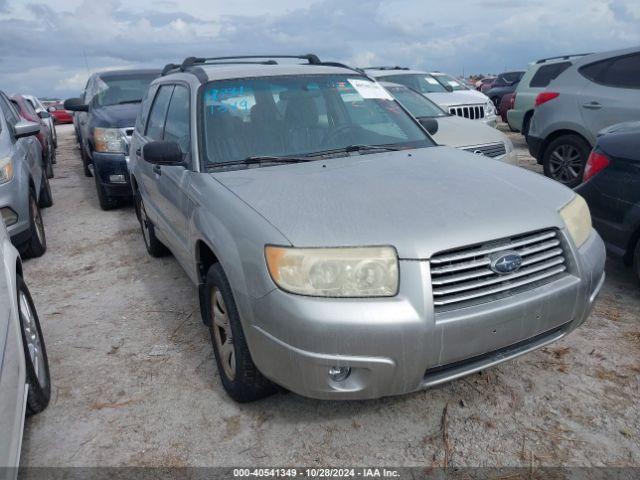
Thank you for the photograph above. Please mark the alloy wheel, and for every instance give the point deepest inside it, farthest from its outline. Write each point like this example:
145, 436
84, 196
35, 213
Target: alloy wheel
32, 336
565, 163
222, 334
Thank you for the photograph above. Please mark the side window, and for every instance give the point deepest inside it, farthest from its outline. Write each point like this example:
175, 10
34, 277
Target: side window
143, 113
623, 72
176, 127
547, 73
158, 113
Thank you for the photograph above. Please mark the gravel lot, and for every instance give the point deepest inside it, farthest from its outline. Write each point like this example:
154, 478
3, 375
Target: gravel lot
135, 383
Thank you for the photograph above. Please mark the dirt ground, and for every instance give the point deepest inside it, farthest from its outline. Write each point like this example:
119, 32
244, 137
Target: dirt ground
134, 379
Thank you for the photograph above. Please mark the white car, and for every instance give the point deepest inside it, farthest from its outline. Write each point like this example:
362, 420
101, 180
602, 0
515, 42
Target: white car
464, 102
25, 386
454, 131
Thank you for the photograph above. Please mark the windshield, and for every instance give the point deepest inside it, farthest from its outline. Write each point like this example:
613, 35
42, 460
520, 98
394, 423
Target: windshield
421, 82
115, 90
417, 104
454, 83
300, 115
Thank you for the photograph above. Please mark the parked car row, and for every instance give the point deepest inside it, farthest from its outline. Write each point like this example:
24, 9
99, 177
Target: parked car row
579, 115
354, 223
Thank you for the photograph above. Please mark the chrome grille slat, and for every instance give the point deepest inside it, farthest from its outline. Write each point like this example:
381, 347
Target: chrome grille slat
489, 150
473, 112
483, 272
463, 277
506, 246
523, 272
483, 293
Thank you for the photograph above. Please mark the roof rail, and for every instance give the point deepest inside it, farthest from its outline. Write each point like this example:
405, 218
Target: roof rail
563, 57
397, 67
192, 61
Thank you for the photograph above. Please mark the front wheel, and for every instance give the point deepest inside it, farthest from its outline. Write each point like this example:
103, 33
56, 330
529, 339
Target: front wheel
240, 377
35, 353
46, 198
565, 158
155, 247
37, 243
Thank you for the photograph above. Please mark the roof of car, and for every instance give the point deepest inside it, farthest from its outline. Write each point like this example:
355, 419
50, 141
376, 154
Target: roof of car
385, 72
133, 71
229, 71
594, 57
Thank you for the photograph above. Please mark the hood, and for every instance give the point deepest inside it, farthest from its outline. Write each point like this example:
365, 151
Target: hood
420, 201
117, 116
449, 99
461, 132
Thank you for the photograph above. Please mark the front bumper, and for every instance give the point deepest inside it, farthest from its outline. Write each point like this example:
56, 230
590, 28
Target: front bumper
113, 173
399, 345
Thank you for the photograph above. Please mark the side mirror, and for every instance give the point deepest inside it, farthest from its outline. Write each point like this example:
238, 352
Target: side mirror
429, 124
163, 153
25, 129
75, 105
44, 114
449, 88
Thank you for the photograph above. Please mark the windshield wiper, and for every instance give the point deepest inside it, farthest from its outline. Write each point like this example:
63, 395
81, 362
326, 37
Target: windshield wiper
258, 160
353, 148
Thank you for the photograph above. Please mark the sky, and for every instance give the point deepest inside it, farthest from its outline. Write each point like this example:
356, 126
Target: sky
48, 48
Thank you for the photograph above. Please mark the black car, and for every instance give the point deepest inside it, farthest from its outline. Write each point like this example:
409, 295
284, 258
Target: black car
612, 190
506, 82
105, 118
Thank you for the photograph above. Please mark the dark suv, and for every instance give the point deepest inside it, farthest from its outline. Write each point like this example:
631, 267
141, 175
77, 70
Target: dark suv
106, 115
506, 82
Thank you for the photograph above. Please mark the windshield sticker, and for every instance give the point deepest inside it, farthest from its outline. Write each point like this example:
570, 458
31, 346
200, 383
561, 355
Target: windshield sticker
368, 89
226, 99
431, 80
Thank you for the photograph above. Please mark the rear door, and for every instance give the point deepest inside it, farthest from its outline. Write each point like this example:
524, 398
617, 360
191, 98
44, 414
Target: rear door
613, 93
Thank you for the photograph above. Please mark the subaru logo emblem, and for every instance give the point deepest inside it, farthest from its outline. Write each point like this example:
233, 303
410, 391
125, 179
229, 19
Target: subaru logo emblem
505, 262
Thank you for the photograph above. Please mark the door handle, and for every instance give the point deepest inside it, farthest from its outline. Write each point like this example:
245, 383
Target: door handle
156, 170
592, 105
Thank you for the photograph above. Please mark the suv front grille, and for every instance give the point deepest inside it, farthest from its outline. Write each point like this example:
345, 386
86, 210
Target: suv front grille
464, 277
489, 150
473, 112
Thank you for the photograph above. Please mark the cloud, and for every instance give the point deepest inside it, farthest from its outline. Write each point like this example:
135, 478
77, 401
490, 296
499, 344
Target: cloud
49, 48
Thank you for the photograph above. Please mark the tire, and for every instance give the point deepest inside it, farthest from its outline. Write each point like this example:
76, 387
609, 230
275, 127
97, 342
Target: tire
154, 246
240, 378
636, 260
37, 243
106, 202
48, 163
525, 126
46, 198
85, 162
564, 159
496, 103
35, 352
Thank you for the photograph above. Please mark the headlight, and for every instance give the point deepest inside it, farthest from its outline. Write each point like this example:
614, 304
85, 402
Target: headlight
335, 272
109, 140
577, 218
512, 155
491, 109
6, 170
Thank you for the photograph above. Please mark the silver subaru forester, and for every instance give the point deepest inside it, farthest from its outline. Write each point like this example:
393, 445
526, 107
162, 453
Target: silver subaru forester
338, 251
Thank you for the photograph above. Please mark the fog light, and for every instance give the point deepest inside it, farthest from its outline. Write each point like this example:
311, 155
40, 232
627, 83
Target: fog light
9, 216
339, 374
117, 178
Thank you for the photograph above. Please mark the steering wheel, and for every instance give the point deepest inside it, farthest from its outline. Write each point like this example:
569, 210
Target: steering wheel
337, 133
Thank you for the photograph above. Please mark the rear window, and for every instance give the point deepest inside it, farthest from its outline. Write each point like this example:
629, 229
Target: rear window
546, 73
619, 72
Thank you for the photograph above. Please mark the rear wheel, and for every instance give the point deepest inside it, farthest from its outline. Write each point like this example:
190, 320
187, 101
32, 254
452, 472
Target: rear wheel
37, 243
35, 353
565, 158
240, 377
